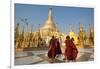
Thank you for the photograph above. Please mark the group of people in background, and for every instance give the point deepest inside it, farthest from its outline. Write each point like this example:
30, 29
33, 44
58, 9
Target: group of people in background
70, 53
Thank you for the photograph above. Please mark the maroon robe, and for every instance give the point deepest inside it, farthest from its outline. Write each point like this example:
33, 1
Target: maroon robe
71, 50
58, 49
52, 48
74, 50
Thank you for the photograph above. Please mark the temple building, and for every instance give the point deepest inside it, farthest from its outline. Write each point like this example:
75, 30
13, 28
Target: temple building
82, 36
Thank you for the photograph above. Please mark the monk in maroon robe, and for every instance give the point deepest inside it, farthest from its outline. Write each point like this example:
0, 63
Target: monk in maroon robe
71, 50
67, 48
52, 49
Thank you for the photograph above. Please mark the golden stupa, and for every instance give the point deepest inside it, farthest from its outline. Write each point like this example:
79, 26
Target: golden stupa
49, 23
50, 28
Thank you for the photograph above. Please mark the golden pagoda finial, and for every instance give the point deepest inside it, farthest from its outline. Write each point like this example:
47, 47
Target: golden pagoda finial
80, 26
91, 28
18, 28
31, 28
50, 14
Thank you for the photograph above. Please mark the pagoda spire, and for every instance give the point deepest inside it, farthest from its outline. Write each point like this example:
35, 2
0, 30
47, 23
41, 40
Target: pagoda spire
31, 27
80, 26
17, 29
91, 28
50, 17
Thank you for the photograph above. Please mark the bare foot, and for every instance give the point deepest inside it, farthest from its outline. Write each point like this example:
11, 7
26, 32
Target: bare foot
64, 58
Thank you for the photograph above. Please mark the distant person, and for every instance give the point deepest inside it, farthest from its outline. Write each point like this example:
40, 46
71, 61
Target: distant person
52, 49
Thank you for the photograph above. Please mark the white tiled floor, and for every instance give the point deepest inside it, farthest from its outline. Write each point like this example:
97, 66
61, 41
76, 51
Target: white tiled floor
24, 59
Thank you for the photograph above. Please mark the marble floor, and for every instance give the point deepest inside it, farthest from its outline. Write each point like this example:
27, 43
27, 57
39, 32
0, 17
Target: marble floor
40, 57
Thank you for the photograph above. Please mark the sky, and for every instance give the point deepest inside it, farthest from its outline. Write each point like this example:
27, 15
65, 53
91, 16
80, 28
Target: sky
63, 16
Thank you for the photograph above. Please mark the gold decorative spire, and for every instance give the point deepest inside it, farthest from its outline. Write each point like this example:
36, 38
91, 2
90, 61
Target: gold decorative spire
80, 26
31, 26
91, 28
50, 14
17, 29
